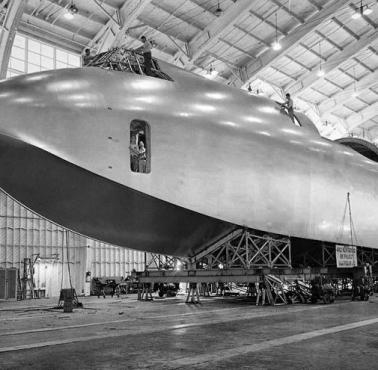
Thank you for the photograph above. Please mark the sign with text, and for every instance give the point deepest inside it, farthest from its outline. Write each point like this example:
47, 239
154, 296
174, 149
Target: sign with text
346, 256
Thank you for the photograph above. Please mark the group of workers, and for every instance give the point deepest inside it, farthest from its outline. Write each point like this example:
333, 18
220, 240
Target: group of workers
138, 155
145, 49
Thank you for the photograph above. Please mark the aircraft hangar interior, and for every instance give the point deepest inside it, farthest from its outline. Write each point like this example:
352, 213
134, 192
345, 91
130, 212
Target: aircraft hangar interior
189, 184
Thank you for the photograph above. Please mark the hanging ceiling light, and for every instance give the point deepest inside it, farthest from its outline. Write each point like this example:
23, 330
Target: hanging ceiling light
71, 11
363, 9
367, 10
219, 10
276, 45
211, 73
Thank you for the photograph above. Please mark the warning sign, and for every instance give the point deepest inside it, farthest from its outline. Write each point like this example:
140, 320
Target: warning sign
346, 256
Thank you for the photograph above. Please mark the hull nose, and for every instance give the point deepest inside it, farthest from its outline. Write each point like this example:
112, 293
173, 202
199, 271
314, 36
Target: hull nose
99, 208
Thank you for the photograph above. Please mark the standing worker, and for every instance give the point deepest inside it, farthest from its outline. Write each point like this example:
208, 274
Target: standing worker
86, 57
289, 106
146, 50
261, 291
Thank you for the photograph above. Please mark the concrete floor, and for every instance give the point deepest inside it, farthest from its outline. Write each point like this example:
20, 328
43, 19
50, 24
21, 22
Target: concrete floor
220, 333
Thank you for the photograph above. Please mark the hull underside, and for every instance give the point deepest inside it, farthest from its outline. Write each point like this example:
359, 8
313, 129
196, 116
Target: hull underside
99, 208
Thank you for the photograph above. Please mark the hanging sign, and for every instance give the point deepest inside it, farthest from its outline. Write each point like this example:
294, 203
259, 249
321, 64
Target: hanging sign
346, 256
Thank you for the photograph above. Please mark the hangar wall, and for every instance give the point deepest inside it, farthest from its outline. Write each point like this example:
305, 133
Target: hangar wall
56, 251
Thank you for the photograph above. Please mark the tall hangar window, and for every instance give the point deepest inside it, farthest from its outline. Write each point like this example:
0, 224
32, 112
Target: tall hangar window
140, 146
30, 55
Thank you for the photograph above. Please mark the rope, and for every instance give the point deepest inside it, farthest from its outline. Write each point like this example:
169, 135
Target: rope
343, 221
352, 229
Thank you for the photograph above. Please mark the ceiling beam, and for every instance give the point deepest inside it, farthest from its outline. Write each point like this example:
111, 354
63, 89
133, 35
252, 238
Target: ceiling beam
298, 63
261, 41
270, 56
312, 51
201, 4
220, 27
339, 99
231, 65
310, 78
345, 28
129, 12
106, 12
364, 17
265, 20
231, 45
362, 64
83, 13
60, 25
166, 32
357, 119
333, 43
51, 37
179, 17
288, 11
11, 21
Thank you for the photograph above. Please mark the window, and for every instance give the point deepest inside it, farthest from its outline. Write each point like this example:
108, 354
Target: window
140, 147
29, 55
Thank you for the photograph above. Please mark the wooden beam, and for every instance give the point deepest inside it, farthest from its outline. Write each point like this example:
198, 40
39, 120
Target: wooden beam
288, 11
245, 52
220, 27
11, 21
270, 56
364, 17
310, 78
357, 119
129, 12
345, 28
339, 99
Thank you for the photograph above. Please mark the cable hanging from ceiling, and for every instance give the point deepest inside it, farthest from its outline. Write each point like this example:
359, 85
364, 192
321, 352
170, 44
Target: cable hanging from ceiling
321, 72
276, 44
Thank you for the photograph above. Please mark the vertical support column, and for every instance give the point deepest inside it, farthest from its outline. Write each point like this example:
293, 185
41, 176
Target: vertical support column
9, 27
88, 267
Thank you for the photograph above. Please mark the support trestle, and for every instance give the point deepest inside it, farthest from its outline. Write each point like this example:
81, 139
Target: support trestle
163, 262
246, 257
244, 249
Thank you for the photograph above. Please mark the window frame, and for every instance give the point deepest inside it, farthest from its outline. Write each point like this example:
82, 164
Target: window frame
147, 144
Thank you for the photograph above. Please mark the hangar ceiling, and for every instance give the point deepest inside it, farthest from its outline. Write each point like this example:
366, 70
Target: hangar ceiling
327, 60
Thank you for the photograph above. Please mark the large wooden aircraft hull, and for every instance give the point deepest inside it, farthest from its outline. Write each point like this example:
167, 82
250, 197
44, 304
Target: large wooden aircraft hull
220, 159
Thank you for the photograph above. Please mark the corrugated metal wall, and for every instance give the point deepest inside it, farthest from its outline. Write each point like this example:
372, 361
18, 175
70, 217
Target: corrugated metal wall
23, 234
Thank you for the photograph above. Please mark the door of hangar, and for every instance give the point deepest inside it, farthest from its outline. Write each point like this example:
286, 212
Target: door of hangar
8, 283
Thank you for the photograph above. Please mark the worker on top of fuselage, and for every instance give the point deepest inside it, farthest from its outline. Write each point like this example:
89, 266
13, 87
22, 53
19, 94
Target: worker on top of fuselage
86, 58
146, 50
289, 105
